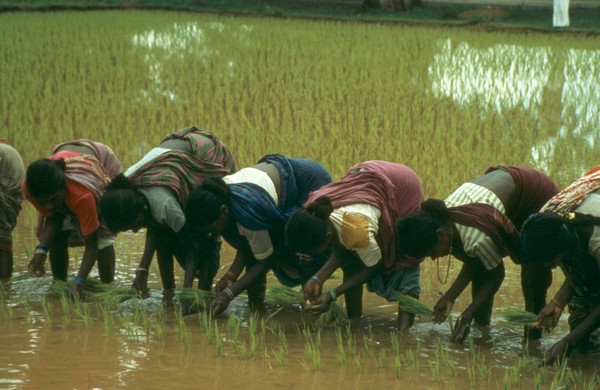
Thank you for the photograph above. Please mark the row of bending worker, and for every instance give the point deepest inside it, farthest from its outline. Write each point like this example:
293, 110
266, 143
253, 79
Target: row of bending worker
286, 215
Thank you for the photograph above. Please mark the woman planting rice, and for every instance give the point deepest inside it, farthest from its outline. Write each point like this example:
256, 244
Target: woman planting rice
65, 189
250, 208
355, 217
566, 233
152, 193
478, 224
11, 197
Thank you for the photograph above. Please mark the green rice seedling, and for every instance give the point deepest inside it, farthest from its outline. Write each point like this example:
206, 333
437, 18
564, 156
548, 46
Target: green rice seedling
207, 323
281, 356
278, 294
108, 319
335, 315
218, 341
369, 350
477, 368
397, 367
82, 310
158, 327
357, 363
132, 331
312, 347
395, 343
541, 376
233, 328
413, 305
47, 308
591, 383
559, 380
434, 369
242, 349
382, 358
66, 307
184, 334
511, 378
341, 354
517, 316
194, 295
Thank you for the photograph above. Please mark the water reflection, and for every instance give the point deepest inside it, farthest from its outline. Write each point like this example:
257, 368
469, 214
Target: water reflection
504, 77
193, 42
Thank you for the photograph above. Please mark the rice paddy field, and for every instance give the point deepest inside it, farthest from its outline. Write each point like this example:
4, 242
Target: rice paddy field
445, 101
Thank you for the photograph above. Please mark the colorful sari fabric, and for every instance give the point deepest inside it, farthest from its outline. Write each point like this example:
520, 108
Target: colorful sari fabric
103, 153
12, 172
254, 209
181, 171
573, 196
391, 187
206, 146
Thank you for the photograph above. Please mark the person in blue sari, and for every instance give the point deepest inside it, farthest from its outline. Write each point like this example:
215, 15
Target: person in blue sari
250, 209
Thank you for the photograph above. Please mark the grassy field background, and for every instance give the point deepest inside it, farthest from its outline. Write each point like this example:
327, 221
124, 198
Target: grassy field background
476, 14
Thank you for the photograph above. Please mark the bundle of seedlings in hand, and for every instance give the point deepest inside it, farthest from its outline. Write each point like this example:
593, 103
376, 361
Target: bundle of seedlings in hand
280, 295
412, 305
517, 316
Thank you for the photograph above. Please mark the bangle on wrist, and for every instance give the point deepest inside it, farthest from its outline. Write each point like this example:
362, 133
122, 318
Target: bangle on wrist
557, 303
41, 250
317, 279
141, 269
231, 276
79, 280
332, 294
227, 291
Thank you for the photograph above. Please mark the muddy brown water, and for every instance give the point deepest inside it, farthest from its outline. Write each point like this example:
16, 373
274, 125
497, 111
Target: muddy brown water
63, 352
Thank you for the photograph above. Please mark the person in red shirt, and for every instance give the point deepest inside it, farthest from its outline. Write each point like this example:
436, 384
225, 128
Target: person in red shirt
65, 189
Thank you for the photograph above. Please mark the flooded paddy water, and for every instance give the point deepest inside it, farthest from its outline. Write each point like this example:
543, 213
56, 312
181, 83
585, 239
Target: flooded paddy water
446, 102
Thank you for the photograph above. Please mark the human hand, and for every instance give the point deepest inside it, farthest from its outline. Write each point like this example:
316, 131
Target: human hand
140, 283
312, 290
442, 309
321, 304
36, 265
221, 301
461, 330
189, 306
548, 317
558, 351
225, 281
77, 290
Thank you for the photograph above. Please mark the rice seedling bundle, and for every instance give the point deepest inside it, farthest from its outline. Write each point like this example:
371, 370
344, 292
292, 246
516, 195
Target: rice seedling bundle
411, 305
517, 316
280, 295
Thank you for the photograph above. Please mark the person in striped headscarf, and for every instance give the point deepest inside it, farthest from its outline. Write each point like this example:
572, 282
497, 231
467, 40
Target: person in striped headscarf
152, 194
479, 225
566, 232
65, 189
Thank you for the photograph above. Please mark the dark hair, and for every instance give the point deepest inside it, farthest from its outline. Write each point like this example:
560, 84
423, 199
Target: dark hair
307, 227
46, 177
203, 205
547, 234
416, 233
120, 205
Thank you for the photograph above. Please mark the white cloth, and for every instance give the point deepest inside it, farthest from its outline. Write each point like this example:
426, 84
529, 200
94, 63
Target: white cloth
151, 155
475, 242
560, 16
259, 240
357, 226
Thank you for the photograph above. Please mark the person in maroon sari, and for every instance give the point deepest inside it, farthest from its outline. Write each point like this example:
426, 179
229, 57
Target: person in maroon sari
355, 217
